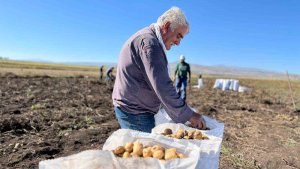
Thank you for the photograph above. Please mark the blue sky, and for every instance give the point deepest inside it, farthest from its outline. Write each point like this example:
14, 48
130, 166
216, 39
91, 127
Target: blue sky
262, 34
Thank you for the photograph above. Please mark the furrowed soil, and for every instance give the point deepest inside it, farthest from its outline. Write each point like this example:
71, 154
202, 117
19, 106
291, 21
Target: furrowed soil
49, 117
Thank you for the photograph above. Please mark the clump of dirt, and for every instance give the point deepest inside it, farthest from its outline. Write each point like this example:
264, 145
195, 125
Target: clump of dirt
46, 117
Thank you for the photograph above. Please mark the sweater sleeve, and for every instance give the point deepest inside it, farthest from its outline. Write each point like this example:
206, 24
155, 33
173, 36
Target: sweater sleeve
156, 72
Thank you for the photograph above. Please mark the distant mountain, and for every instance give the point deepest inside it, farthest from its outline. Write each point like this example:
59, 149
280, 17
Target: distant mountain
106, 64
217, 70
230, 71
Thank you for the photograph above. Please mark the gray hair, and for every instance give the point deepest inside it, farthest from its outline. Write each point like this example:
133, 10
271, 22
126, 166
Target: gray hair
175, 16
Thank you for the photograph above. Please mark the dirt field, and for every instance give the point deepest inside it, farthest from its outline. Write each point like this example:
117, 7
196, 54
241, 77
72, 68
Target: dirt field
48, 117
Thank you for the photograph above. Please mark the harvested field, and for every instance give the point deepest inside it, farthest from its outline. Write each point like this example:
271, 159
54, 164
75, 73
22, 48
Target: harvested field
45, 117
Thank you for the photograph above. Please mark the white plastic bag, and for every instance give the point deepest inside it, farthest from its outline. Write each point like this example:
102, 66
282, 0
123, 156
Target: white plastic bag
122, 136
218, 84
231, 83
216, 128
244, 89
236, 86
200, 84
209, 150
225, 85
91, 159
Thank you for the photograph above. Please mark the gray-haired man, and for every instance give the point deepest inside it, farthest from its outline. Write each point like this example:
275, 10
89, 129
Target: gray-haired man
142, 82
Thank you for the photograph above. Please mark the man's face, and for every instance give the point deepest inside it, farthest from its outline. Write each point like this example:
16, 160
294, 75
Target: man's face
173, 38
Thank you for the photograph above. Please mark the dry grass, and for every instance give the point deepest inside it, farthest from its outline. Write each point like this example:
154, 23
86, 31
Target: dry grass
276, 87
49, 72
56, 70
37, 65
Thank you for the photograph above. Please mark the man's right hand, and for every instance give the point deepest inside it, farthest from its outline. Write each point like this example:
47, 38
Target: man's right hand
197, 121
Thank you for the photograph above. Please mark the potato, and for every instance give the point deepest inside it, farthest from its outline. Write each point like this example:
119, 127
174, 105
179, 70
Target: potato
137, 148
157, 147
170, 154
197, 134
179, 134
186, 137
126, 154
134, 155
159, 154
119, 150
147, 152
191, 134
168, 131
205, 138
198, 137
185, 133
180, 155
129, 147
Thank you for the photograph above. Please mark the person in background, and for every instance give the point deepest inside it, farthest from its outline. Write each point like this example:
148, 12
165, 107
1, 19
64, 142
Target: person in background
143, 84
182, 76
109, 76
200, 82
101, 72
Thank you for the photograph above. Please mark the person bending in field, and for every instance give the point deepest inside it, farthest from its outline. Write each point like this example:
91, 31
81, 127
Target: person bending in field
143, 83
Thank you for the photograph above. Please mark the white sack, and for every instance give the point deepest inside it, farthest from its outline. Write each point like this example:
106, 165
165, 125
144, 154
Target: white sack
200, 83
231, 83
244, 89
122, 136
236, 85
218, 84
225, 85
216, 128
209, 150
91, 159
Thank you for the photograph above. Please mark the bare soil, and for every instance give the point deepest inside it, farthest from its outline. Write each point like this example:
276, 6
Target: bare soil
48, 117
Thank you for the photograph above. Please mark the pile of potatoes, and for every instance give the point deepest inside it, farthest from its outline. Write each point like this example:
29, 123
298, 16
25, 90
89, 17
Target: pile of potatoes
136, 149
184, 134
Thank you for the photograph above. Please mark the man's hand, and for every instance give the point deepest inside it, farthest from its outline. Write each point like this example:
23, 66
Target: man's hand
197, 121
174, 80
189, 80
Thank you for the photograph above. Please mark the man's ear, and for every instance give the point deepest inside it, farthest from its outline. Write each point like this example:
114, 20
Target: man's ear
166, 27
